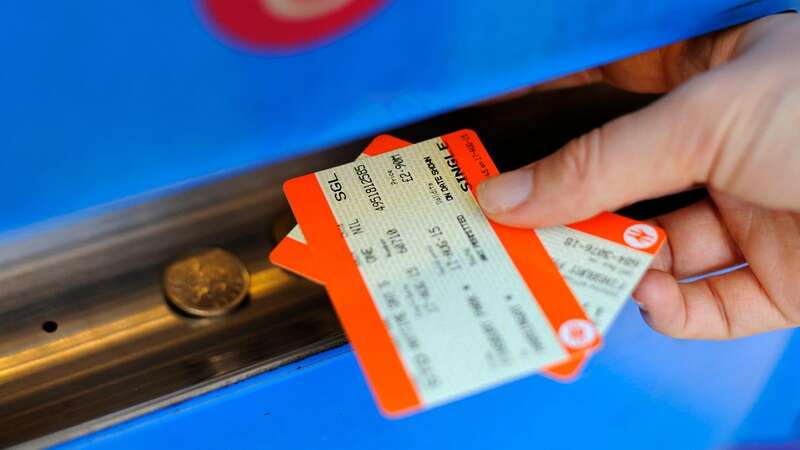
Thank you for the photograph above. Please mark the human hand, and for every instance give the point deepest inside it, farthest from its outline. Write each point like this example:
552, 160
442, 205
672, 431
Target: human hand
731, 122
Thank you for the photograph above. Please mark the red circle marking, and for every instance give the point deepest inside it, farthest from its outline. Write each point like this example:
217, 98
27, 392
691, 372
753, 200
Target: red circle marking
640, 236
577, 333
254, 23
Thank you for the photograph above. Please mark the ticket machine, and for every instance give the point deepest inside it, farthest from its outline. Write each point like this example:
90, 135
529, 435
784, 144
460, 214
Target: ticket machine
133, 134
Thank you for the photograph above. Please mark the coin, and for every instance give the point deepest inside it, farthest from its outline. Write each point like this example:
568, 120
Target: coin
207, 283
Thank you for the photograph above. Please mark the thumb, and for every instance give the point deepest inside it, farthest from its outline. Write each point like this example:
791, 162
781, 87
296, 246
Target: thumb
658, 150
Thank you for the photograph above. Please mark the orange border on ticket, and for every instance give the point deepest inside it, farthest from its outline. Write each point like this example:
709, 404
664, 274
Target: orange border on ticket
613, 227
360, 318
296, 257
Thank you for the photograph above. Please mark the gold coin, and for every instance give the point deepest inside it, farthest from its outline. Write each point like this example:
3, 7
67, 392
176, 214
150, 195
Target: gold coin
207, 283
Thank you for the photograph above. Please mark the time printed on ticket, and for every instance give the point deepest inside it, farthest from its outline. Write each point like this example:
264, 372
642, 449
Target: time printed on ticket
437, 301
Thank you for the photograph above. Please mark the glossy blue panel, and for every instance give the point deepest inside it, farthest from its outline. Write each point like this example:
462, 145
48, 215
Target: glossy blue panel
642, 391
775, 417
103, 100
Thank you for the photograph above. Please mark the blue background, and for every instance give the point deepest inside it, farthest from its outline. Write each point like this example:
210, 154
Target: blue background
103, 101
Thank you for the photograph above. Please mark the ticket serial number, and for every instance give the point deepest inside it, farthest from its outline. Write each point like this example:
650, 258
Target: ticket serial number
602, 252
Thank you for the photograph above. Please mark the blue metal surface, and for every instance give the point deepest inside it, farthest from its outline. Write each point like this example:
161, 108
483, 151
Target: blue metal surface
642, 391
775, 417
103, 101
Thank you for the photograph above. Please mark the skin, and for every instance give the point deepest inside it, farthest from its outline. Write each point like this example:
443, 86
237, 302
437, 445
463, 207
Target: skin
731, 122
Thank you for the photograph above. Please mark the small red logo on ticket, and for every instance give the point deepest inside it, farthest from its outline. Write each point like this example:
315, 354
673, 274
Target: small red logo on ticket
577, 333
641, 236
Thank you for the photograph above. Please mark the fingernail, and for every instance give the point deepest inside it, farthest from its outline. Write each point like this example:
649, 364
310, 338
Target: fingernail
505, 192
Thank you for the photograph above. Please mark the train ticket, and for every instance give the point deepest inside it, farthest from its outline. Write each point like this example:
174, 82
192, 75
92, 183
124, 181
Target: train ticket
437, 301
596, 259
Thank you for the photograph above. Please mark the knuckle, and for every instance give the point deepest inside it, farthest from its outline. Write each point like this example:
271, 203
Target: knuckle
579, 158
675, 331
785, 114
705, 129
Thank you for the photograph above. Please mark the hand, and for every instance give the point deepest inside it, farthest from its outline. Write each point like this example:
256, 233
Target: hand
731, 121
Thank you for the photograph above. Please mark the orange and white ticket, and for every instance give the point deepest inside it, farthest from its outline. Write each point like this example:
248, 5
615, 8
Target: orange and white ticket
601, 259
437, 301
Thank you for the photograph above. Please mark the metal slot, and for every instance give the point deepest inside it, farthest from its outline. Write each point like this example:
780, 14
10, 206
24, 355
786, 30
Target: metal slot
88, 336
